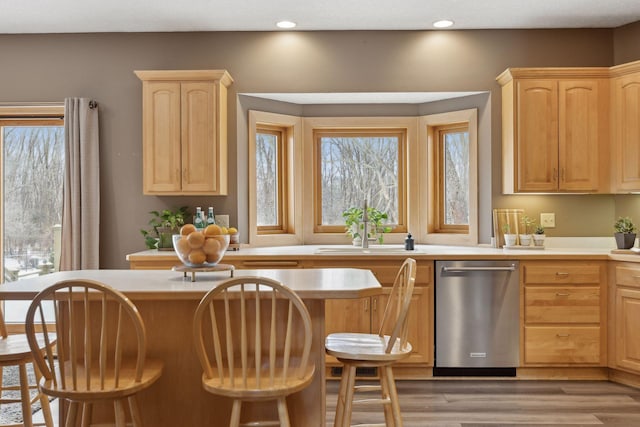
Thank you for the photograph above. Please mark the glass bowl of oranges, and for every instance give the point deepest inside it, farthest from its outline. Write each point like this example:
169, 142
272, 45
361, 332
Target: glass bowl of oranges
200, 248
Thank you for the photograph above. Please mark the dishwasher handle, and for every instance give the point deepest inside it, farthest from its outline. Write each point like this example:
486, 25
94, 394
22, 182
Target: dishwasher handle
512, 267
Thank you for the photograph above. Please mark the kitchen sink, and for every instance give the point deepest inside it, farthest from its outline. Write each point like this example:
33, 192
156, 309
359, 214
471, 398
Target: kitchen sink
356, 250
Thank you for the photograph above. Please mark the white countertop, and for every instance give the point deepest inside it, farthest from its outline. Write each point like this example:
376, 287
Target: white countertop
312, 283
559, 247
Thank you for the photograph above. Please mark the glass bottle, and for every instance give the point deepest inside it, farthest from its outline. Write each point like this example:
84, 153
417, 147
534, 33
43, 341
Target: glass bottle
199, 220
211, 219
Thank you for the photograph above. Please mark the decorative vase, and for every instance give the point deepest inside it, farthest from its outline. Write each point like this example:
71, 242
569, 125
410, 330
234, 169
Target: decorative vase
165, 236
538, 239
625, 240
525, 239
510, 239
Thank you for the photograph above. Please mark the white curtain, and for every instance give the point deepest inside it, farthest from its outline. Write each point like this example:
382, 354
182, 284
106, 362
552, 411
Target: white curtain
81, 199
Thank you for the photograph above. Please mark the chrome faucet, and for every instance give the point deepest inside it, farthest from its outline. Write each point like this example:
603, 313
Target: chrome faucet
365, 221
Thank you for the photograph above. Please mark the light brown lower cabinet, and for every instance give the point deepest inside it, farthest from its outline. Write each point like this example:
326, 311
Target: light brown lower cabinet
626, 317
365, 314
563, 304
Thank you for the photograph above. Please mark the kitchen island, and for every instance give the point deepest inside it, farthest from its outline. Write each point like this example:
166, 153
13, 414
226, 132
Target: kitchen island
167, 302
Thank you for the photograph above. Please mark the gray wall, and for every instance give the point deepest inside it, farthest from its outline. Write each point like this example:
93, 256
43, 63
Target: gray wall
100, 66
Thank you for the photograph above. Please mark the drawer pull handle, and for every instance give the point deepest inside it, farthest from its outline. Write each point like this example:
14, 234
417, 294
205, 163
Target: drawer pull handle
561, 273
636, 276
562, 294
562, 335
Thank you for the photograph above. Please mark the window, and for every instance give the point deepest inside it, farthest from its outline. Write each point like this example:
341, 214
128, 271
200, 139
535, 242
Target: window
452, 175
271, 176
275, 179
354, 165
32, 180
448, 166
421, 171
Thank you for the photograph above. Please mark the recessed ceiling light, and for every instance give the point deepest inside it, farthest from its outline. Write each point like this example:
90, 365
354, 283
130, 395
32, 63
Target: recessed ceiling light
445, 23
286, 24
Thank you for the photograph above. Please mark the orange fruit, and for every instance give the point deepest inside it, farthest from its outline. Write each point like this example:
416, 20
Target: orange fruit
197, 256
212, 230
211, 246
233, 230
195, 239
183, 246
187, 229
214, 258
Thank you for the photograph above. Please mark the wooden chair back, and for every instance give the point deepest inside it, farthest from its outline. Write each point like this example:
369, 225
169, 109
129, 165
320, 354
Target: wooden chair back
89, 318
252, 333
394, 320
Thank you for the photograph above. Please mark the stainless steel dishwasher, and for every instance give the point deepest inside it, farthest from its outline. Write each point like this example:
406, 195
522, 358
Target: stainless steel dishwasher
477, 318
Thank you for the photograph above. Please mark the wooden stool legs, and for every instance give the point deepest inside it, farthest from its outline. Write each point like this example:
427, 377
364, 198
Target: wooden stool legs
388, 398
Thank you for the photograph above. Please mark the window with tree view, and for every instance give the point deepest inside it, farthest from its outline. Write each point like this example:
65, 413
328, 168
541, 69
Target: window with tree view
358, 164
453, 189
270, 179
32, 182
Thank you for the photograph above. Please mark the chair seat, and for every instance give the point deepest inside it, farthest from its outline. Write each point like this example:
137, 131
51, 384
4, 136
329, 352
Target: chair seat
16, 347
364, 347
126, 387
251, 392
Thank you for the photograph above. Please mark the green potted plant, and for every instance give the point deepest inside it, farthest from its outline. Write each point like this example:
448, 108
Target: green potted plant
538, 235
528, 223
625, 232
355, 226
164, 224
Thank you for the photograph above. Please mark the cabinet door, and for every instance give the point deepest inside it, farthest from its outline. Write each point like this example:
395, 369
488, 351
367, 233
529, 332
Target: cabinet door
347, 315
198, 137
161, 134
627, 330
537, 135
579, 131
626, 122
420, 333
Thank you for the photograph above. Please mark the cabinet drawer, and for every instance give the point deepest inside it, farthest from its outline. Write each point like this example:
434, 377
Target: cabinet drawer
562, 305
555, 274
628, 276
562, 345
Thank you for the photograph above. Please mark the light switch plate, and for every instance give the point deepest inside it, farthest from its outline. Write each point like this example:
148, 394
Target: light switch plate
548, 220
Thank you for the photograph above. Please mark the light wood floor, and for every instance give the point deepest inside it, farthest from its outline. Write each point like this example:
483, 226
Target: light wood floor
467, 403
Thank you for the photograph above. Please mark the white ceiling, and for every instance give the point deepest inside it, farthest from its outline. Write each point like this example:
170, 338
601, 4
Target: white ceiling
88, 16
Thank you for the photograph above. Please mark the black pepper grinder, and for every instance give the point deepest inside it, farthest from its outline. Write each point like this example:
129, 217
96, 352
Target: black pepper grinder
408, 243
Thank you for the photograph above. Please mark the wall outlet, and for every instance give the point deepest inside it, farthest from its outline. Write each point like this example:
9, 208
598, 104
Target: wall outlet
548, 220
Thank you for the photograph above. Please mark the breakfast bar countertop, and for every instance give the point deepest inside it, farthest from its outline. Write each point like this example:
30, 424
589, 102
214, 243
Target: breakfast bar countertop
317, 283
167, 302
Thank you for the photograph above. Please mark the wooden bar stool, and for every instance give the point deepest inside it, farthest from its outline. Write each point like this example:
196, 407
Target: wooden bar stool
100, 351
15, 351
253, 339
379, 351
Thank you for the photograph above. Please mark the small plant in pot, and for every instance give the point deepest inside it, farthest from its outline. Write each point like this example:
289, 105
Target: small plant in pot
625, 232
509, 238
164, 224
538, 236
528, 224
355, 226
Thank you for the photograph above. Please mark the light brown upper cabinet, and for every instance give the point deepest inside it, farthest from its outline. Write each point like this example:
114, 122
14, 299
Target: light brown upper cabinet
184, 131
625, 121
555, 130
